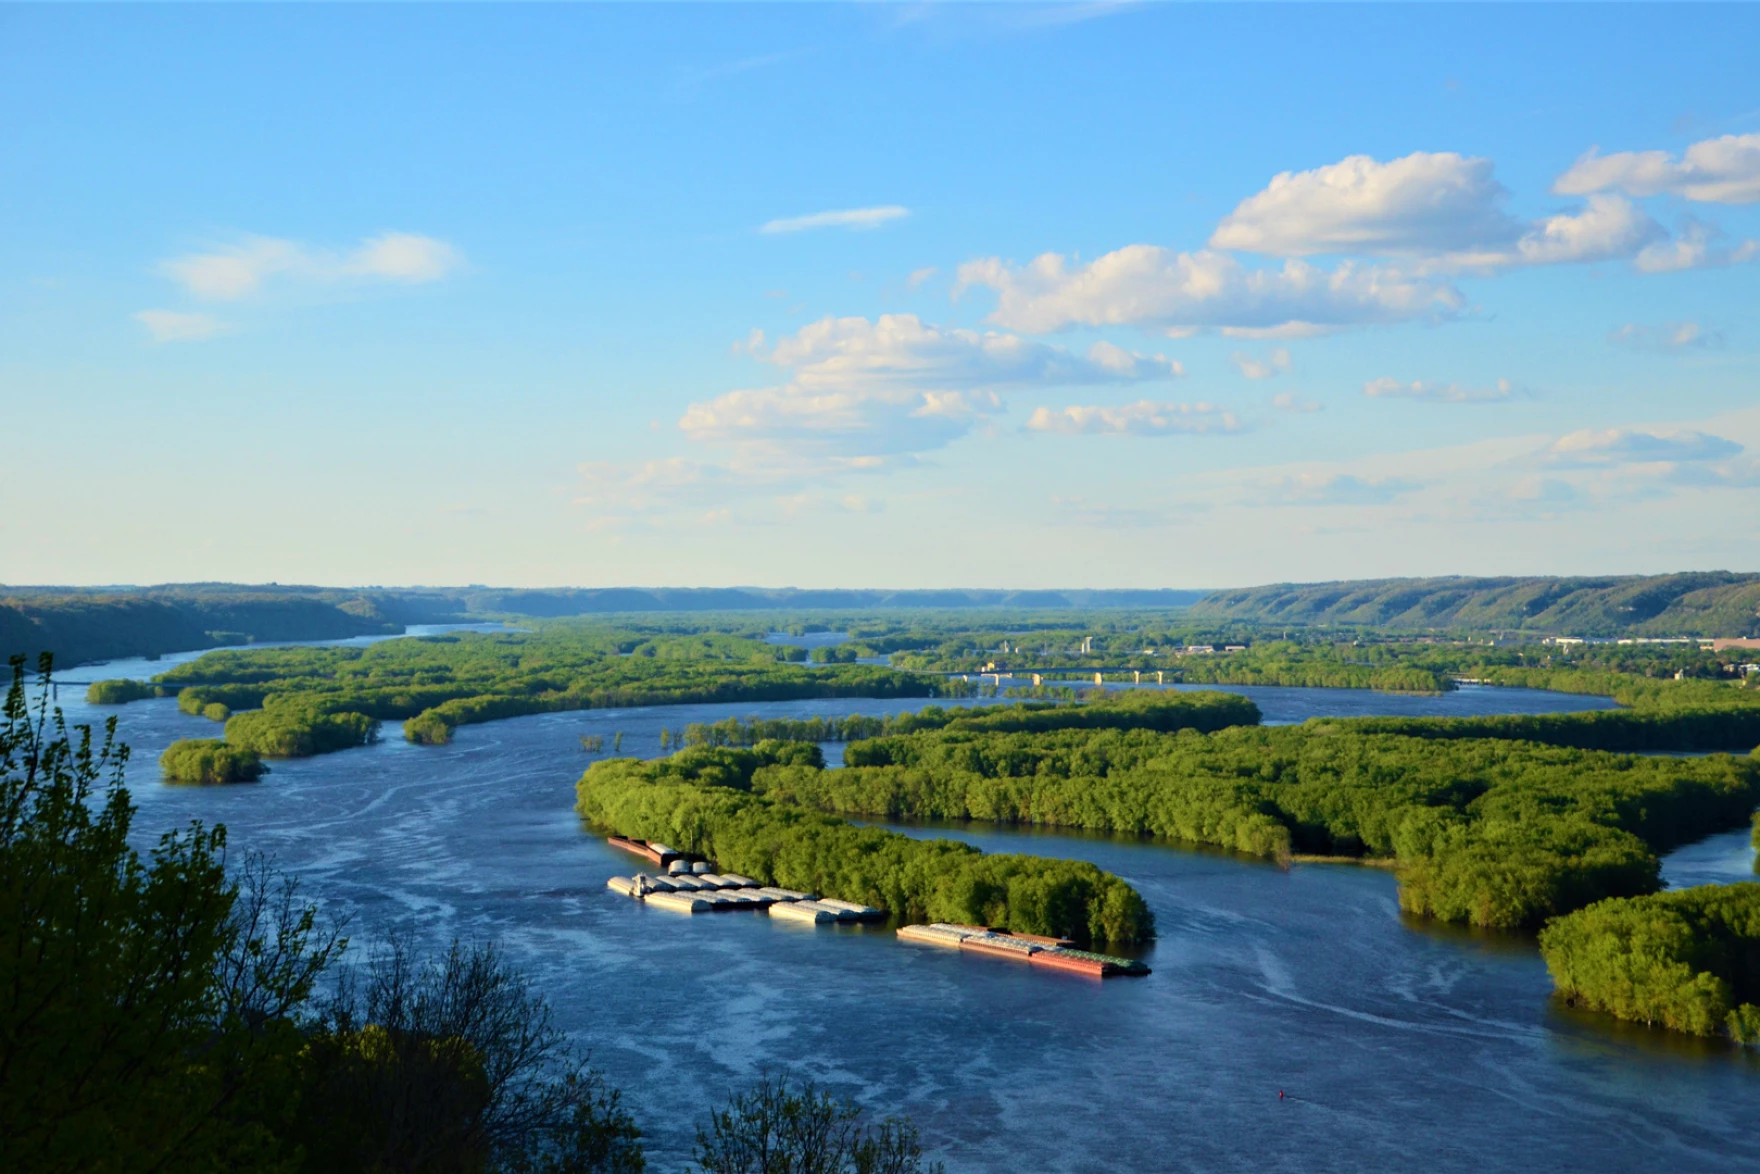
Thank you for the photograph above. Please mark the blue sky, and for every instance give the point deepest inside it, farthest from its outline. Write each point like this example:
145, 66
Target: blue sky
870, 295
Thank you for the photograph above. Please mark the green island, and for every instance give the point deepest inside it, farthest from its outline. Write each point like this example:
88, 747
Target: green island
725, 803
296, 702
209, 760
1687, 960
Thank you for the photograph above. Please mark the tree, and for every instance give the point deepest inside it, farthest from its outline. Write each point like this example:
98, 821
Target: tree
453, 1065
143, 1003
778, 1128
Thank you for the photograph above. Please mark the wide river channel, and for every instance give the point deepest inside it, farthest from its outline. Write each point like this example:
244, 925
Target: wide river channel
1400, 1046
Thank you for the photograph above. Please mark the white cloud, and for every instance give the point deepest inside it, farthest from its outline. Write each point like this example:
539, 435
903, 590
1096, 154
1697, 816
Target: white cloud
1671, 336
1143, 418
172, 326
243, 269
1608, 228
1609, 447
1699, 246
1617, 464
1420, 204
1723, 170
1289, 402
1333, 489
919, 276
1256, 368
1442, 393
1444, 211
1143, 285
853, 218
896, 385
900, 350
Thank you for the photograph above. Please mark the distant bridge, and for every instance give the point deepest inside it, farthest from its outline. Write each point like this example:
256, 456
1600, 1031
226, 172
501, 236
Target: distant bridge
1038, 675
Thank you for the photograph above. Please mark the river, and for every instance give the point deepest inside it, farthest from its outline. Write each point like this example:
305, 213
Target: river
1400, 1046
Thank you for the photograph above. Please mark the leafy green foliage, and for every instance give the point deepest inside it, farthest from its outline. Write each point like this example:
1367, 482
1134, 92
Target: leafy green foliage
1715, 603
320, 699
1498, 833
209, 760
296, 727
696, 801
144, 1016
779, 1128
102, 625
452, 1066
1133, 710
1688, 960
120, 692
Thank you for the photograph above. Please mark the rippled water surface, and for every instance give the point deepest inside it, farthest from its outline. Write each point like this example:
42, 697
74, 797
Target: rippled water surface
1400, 1047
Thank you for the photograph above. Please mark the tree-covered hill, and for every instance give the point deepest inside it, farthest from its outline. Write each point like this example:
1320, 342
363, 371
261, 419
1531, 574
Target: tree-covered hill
1711, 603
81, 626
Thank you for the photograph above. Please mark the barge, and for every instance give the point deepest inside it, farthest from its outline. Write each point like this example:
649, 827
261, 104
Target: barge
1034, 949
686, 886
660, 854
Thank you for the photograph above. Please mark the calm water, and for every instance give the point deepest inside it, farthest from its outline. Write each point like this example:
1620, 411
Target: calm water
1401, 1047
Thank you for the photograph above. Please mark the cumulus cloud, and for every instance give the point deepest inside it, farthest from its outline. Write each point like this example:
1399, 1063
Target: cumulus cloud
1143, 418
1723, 170
242, 269
1445, 213
1670, 336
1420, 204
1441, 393
173, 326
897, 385
852, 218
1699, 246
1144, 285
1256, 368
1289, 402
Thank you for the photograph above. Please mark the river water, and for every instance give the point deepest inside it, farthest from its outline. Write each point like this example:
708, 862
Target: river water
1400, 1046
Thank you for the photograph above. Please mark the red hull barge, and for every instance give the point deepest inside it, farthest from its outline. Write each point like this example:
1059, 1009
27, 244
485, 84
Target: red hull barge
1051, 960
661, 856
1020, 953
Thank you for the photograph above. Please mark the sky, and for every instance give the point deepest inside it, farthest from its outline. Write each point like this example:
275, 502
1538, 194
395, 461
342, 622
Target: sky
877, 296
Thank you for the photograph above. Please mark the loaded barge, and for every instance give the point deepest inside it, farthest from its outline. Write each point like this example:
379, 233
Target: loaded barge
1033, 949
687, 886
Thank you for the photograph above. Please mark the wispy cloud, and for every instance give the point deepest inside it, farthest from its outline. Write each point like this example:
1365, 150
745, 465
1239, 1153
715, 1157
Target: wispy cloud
1254, 367
173, 326
244, 268
1605, 447
1670, 336
1143, 418
1319, 489
1440, 393
1289, 402
859, 219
